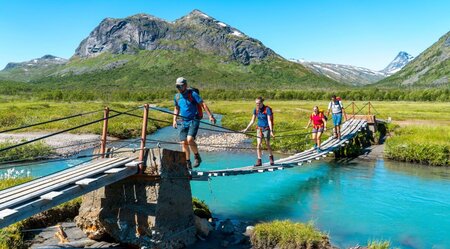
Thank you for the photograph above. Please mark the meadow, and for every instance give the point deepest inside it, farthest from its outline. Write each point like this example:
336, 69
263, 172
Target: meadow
290, 118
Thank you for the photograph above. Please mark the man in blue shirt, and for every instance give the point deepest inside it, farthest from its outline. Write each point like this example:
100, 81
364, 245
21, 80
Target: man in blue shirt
189, 105
264, 129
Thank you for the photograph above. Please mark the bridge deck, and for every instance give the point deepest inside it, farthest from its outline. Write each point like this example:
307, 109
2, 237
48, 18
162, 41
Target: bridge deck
349, 130
25, 200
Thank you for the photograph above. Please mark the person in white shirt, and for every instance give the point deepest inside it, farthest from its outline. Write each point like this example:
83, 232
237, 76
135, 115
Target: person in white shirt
337, 109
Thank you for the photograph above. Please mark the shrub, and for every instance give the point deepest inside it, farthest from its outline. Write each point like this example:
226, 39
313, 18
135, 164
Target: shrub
201, 209
287, 234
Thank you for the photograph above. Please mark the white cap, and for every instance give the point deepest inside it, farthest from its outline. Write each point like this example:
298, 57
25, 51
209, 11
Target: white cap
181, 81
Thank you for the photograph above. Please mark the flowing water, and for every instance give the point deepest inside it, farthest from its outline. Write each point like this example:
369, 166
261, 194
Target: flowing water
353, 202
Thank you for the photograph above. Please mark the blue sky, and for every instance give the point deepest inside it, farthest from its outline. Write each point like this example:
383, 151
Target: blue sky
356, 32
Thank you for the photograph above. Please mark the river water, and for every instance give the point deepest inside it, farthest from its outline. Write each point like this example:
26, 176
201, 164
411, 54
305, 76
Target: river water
353, 202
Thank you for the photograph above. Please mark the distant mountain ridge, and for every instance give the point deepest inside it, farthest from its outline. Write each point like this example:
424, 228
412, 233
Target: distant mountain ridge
354, 75
44, 61
401, 60
32, 69
429, 69
351, 75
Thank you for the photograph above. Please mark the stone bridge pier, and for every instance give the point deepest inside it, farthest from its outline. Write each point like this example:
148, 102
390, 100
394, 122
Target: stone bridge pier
152, 210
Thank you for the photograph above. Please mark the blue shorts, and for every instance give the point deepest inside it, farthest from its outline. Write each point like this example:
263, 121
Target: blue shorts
189, 128
337, 119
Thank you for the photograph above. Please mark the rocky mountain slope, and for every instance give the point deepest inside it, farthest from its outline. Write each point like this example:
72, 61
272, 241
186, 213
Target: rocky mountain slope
195, 30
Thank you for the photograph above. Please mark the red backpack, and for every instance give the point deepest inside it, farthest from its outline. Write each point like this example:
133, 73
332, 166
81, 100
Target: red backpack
192, 100
265, 112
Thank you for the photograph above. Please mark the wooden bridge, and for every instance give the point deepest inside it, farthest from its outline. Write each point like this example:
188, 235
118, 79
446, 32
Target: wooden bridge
25, 200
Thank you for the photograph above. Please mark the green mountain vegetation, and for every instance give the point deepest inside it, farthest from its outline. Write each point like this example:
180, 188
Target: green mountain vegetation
430, 69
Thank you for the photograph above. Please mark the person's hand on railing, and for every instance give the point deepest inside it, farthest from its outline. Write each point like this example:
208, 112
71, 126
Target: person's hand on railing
174, 124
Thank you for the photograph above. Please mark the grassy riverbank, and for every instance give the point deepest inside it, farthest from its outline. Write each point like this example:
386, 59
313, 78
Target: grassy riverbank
420, 144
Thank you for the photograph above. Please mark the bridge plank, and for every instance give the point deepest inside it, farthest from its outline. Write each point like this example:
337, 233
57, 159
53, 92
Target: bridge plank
86, 181
50, 195
7, 212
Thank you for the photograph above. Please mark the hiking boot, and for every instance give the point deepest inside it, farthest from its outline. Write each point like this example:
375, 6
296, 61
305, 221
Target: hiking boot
271, 160
258, 163
197, 161
189, 164
319, 150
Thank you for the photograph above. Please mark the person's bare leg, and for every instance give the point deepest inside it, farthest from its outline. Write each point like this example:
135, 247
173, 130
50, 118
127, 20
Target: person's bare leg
192, 144
269, 148
258, 148
338, 129
185, 147
319, 134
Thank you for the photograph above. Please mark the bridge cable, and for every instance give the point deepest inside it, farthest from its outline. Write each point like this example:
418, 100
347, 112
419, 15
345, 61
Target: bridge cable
49, 121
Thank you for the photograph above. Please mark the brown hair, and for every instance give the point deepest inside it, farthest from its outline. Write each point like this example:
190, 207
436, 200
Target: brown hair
261, 99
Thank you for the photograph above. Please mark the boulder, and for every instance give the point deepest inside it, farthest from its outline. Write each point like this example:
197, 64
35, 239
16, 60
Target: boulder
203, 226
226, 227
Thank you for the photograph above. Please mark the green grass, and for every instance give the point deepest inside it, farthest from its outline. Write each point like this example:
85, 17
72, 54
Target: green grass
286, 234
420, 144
375, 244
25, 152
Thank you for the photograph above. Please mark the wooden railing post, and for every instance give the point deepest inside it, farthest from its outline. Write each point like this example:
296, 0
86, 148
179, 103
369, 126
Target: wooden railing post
143, 139
369, 107
353, 108
104, 132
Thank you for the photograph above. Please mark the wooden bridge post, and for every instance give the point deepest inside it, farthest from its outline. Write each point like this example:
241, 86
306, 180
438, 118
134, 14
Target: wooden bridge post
353, 108
369, 107
104, 132
143, 139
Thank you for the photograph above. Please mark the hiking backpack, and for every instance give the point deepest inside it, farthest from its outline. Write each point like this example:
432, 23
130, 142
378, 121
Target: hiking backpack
265, 112
192, 100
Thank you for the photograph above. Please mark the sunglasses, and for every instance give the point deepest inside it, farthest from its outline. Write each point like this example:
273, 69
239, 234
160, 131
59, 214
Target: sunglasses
179, 86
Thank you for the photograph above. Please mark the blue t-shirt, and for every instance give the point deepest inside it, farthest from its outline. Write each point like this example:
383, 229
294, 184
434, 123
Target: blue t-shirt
188, 109
262, 117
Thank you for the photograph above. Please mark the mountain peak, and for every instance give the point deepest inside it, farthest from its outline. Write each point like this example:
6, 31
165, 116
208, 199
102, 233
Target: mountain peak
198, 13
398, 63
196, 30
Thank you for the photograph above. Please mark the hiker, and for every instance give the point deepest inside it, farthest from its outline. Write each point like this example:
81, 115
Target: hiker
319, 121
337, 109
263, 130
189, 105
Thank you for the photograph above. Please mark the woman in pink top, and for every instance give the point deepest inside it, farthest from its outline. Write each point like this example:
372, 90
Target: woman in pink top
319, 126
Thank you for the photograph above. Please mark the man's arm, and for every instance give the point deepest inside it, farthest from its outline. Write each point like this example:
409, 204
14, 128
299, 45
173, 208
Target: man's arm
343, 111
176, 111
211, 116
